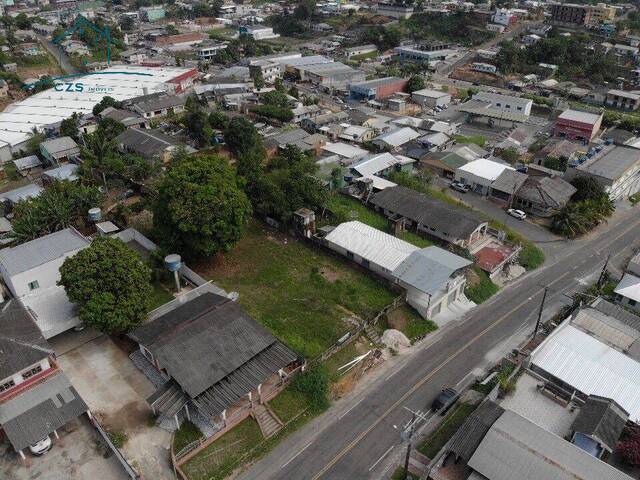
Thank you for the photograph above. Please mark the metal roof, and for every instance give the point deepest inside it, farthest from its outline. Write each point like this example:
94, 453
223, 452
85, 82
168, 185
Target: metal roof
429, 269
63, 172
26, 256
398, 137
580, 116
371, 244
52, 310
22, 193
430, 93
629, 287
373, 164
494, 98
484, 168
25, 163
590, 366
60, 145
344, 150
39, 410
515, 447
603, 419
612, 162
466, 439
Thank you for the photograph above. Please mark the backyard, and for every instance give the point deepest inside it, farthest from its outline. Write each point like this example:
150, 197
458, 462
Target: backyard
303, 295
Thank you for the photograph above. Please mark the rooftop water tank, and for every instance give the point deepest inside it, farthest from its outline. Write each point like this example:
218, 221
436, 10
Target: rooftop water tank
95, 214
173, 262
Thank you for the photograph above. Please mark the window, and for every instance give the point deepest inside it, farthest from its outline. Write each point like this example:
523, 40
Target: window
33, 285
32, 372
632, 302
519, 108
498, 104
350, 255
7, 385
508, 106
365, 262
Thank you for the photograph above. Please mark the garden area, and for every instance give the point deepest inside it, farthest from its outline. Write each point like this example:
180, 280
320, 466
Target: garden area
303, 295
480, 288
454, 419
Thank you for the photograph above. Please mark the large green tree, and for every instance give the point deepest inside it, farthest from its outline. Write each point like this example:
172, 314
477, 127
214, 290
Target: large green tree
241, 136
60, 205
110, 284
200, 208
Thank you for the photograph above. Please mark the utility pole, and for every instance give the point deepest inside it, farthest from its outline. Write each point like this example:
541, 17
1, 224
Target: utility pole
408, 433
544, 297
604, 271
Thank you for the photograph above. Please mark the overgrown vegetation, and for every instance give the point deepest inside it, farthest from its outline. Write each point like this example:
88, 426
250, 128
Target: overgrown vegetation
185, 435
457, 27
447, 428
483, 290
314, 385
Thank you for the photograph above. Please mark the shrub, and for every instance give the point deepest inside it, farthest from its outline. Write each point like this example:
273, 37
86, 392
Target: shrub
314, 384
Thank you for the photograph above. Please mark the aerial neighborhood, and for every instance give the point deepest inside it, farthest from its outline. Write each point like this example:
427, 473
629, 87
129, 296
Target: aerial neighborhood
304, 239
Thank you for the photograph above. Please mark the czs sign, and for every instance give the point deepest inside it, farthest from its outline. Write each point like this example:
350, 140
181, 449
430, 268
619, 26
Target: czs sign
76, 87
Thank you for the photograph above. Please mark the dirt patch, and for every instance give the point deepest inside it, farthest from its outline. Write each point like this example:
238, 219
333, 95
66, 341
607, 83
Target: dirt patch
348, 381
330, 275
397, 319
130, 417
472, 278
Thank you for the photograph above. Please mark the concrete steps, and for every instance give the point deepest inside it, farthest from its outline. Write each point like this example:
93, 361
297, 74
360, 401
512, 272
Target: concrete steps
268, 422
372, 334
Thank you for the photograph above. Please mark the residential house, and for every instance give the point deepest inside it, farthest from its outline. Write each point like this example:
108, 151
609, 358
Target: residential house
346, 152
395, 10
152, 14
4, 88
393, 140
314, 124
59, 149
627, 292
431, 98
357, 134
569, 13
216, 360
505, 187
428, 215
381, 164
258, 32
208, 52
480, 174
149, 143
36, 397
31, 271
360, 50
157, 105
543, 196
270, 70
67, 171
616, 168
602, 338
183, 41
623, 100
406, 54
432, 278
126, 117
24, 165
303, 112
25, 192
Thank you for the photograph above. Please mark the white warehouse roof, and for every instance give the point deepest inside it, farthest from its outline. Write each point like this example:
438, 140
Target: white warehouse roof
590, 366
50, 106
371, 244
484, 168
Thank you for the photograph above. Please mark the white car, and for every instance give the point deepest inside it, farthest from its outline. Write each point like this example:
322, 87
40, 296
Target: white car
41, 447
519, 214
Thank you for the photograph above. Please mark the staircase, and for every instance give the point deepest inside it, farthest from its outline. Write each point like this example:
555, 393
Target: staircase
269, 423
372, 334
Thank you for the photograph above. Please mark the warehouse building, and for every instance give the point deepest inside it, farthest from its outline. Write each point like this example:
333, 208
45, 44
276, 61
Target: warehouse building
377, 88
431, 98
577, 125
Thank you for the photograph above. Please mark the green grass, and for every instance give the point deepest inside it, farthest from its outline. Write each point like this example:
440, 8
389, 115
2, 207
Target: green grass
398, 474
160, 295
531, 257
186, 434
364, 56
288, 404
635, 198
298, 291
477, 139
347, 209
339, 359
445, 431
409, 322
483, 290
220, 458
416, 239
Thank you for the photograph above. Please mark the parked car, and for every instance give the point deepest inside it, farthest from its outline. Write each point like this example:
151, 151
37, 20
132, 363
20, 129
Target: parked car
445, 400
519, 214
127, 194
460, 187
41, 447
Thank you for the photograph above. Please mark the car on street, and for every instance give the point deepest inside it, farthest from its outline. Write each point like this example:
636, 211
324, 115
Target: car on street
445, 400
519, 214
41, 447
460, 187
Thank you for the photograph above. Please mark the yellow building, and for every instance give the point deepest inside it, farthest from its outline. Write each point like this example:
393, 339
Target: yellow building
600, 13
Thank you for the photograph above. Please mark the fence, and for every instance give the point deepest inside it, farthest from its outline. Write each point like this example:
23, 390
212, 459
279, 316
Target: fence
123, 461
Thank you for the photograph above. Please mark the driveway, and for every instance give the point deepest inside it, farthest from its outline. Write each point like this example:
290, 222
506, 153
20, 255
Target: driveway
116, 391
79, 454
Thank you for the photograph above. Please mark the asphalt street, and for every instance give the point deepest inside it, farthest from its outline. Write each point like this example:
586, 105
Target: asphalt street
353, 439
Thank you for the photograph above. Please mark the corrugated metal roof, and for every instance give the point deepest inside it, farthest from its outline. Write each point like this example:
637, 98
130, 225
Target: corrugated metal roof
26, 256
374, 164
485, 168
22, 193
398, 137
371, 244
629, 287
516, 448
591, 367
430, 269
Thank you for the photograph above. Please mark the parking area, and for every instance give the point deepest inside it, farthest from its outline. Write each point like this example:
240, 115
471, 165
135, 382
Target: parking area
79, 454
116, 391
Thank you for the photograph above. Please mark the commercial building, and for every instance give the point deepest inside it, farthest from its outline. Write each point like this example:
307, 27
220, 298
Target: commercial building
600, 13
505, 103
431, 98
577, 125
258, 32
569, 13
377, 88
50, 107
622, 99
332, 75
414, 55
361, 50
616, 168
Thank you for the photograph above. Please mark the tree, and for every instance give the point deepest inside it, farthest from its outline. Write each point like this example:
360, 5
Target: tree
127, 23
416, 82
62, 204
200, 208
110, 128
218, 119
110, 284
104, 103
570, 221
69, 126
99, 154
258, 79
197, 123
588, 188
511, 155
241, 136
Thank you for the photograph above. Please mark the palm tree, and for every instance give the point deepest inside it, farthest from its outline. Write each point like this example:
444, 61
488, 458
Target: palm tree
570, 221
98, 153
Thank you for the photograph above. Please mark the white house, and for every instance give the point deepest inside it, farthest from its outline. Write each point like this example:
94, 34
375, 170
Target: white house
31, 271
431, 98
480, 174
432, 277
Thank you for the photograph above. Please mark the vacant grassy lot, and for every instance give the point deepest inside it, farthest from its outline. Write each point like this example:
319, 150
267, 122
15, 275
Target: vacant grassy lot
445, 431
409, 322
302, 294
221, 457
483, 290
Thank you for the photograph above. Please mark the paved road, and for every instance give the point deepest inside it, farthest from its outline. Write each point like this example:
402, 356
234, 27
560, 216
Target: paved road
354, 438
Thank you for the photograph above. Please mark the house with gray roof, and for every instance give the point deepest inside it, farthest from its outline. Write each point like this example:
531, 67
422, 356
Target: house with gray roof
428, 215
58, 149
36, 397
598, 426
149, 143
31, 271
158, 105
214, 359
543, 196
19, 194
